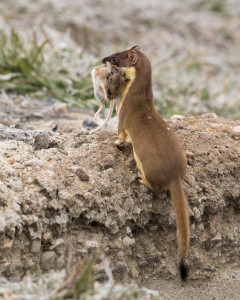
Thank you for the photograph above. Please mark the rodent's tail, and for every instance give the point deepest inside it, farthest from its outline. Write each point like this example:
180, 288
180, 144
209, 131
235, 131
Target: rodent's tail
182, 221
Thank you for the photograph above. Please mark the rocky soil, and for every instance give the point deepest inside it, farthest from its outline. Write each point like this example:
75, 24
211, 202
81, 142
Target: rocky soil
62, 187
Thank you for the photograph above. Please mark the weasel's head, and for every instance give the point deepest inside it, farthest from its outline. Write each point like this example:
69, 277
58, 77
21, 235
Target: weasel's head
127, 58
115, 81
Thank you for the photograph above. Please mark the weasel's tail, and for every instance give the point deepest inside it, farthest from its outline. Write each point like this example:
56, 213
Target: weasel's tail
182, 221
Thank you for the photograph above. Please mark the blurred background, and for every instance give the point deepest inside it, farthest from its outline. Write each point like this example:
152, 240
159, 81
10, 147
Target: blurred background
48, 48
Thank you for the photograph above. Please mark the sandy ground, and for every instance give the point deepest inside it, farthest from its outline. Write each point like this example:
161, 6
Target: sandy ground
98, 203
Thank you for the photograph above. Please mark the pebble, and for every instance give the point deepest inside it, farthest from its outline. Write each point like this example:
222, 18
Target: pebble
121, 265
205, 135
7, 245
214, 256
2, 127
60, 107
47, 236
142, 263
200, 226
197, 213
36, 246
82, 174
236, 129
153, 228
89, 123
209, 116
92, 244
11, 160
48, 259
128, 242
177, 117
189, 154
29, 180
190, 120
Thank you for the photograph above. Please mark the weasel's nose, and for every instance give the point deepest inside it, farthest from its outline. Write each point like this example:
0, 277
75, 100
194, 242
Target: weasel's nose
109, 93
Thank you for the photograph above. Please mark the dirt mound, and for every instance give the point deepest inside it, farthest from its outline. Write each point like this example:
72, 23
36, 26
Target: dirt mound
67, 187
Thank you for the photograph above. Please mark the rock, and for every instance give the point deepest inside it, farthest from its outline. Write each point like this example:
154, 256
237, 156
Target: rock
48, 259
11, 160
205, 135
197, 213
128, 242
41, 141
82, 174
47, 236
177, 117
92, 244
60, 107
7, 245
36, 246
121, 265
89, 123
142, 263
209, 116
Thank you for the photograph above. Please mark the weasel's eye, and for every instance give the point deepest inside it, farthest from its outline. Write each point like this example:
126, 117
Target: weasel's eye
114, 59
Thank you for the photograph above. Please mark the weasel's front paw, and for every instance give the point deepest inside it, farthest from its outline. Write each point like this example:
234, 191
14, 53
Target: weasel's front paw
120, 143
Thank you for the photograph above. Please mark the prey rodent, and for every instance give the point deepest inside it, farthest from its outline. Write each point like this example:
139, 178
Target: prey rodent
108, 81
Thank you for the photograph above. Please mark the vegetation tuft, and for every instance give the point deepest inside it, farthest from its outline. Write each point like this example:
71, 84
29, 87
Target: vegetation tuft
40, 70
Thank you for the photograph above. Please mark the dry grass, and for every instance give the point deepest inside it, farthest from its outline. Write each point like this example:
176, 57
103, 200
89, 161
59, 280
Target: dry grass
75, 283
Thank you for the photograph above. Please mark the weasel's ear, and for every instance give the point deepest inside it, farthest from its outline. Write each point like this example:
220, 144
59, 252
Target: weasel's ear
137, 47
132, 57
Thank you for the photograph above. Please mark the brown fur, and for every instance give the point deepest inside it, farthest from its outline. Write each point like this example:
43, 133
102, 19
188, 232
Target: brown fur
156, 147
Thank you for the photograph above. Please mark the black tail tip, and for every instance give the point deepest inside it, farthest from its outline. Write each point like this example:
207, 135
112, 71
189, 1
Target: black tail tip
183, 270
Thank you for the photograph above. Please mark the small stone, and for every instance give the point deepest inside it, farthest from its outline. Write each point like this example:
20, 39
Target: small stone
209, 116
129, 231
11, 160
41, 141
236, 129
47, 236
205, 135
7, 245
120, 254
60, 107
214, 256
177, 117
128, 242
48, 259
57, 243
121, 265
92, 244
153, 228
197, 213
190, 120
218, 237
189, 154
200, 226
82, 174
36, 246
89, 123
29, 180
142, 263
2, 127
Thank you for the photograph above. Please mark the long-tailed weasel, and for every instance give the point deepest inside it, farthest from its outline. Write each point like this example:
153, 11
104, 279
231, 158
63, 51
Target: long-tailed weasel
108, 82
157, 149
